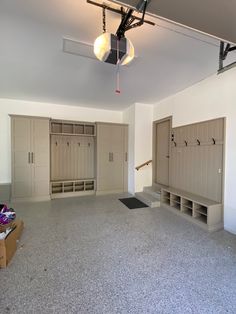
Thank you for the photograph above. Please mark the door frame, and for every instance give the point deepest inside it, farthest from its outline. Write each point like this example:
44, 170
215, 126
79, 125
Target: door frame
154, 138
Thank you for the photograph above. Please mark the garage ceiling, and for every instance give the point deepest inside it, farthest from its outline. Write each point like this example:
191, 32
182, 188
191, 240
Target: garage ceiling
34, 67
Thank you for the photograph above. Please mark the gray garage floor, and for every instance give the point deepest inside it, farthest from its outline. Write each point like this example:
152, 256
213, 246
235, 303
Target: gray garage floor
94, 255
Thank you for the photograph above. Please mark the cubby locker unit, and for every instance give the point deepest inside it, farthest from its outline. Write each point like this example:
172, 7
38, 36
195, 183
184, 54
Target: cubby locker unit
61, 189
72, 158
72, 128
204, 212
30, 158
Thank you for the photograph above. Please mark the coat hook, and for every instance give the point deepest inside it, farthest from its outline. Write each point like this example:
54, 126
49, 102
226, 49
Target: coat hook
56, 143
79, 144
89, 144
186, 143
198, 142
68, 144
214, 141
175, 143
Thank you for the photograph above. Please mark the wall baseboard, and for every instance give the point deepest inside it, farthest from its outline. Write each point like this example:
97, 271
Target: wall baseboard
233, 231
5, 192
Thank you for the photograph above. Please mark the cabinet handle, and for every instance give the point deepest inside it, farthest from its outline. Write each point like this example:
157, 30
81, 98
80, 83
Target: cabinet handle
29, 158
126, 156
32, 158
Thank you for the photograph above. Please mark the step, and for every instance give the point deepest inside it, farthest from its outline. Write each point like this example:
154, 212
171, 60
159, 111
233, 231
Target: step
152, 191
148, 199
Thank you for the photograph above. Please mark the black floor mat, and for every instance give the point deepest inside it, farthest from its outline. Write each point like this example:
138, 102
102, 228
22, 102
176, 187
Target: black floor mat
132, 203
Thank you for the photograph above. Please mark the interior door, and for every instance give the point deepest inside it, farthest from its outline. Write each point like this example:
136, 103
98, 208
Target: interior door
21, 165
162, 155
40, 157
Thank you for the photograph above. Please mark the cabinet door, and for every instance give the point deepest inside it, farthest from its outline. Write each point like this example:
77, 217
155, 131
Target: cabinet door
126, 147
40, 157
21, 166
104, 157
111, 158
117, 148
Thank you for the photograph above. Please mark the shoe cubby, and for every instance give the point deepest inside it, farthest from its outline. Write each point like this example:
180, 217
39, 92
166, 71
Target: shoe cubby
68, 187
72, 128
79, 186
175, 201
186, 206
72, 188
56, 188
89, 185
165, 196
201, 211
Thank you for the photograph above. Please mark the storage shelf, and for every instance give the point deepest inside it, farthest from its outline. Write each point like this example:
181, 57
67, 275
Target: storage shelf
204, 212
72, 128
72, 187
187, 211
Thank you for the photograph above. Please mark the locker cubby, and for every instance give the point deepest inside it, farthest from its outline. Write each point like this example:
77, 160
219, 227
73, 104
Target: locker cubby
56, 127
200, 217
89, 185
201, 211
175, 198
175, 205
67, 128
79, 129
187, 210
187, 203
89, 129
68, 187
79, 186
72, 188
57, 188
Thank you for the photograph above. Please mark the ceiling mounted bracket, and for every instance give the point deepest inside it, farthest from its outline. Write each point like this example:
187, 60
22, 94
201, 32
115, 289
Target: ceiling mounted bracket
225, 49
128, 19
120, 11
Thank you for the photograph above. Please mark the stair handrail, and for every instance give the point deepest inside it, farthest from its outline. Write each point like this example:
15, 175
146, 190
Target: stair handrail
144, 164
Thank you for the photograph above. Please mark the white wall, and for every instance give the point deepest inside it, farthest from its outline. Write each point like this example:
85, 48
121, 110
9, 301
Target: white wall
44, 110
212, 98
139, 117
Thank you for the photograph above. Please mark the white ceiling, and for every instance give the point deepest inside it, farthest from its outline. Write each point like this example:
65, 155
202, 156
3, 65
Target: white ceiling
33, 66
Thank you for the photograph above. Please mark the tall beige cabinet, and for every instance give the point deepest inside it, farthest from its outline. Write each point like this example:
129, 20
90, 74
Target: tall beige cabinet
112, 158
30, 157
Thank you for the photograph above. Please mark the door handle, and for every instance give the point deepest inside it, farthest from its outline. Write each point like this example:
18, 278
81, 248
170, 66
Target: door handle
29, 158
111, 157
32, 158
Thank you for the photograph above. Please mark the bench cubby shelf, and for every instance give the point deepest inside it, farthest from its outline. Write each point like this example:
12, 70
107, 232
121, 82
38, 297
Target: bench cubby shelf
72, 128
71, 188
203, 212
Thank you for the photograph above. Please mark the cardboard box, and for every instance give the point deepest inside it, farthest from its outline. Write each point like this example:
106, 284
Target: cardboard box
8, 246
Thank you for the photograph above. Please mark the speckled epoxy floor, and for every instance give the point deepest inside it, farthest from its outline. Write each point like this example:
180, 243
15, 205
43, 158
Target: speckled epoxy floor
94, 255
